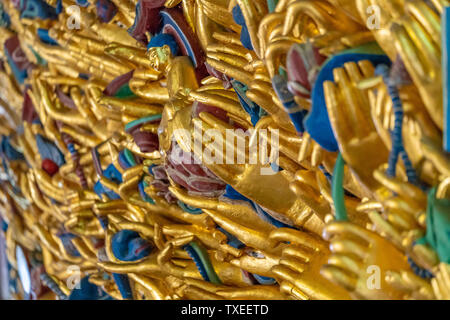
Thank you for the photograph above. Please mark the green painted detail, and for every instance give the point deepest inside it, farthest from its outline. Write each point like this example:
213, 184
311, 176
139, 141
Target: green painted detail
204, 258
188, 208
142, 120
271, 4
368, 48
129, 156
282, 71
146, 196
40, 61
337, 189
438, 226
125, 92
262, 113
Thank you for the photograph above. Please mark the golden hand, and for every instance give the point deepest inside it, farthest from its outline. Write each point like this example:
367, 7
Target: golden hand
325, 17
400, 214
298, 270
441, 283
361, 261
348, 108
422, 58
377, 16
242, 176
